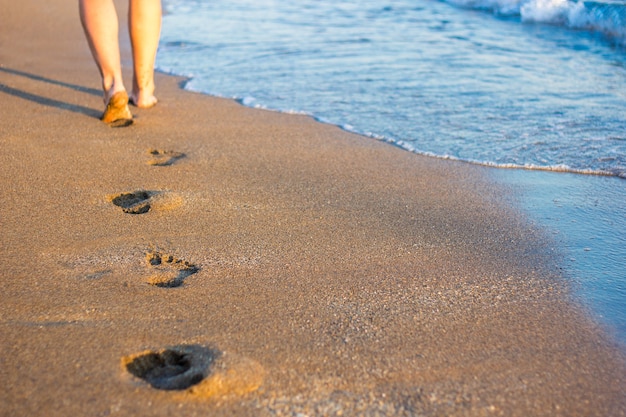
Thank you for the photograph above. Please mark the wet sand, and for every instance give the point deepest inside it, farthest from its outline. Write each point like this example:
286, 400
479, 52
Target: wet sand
212, 259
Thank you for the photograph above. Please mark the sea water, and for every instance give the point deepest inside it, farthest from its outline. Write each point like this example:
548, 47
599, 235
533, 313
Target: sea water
533, 84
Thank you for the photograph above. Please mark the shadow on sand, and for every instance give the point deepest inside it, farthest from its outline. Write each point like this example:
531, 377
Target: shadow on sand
47, 101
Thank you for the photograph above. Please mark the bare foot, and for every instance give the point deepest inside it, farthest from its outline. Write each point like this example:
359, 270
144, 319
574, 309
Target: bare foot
117, 112
143, 100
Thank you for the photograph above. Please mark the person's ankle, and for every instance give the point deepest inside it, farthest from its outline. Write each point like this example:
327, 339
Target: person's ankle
111, 92
143, 98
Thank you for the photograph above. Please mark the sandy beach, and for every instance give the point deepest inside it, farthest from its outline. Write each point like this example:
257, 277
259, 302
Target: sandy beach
213, 259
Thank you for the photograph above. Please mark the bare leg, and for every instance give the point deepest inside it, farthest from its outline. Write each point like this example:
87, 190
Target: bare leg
99, 19
144, 21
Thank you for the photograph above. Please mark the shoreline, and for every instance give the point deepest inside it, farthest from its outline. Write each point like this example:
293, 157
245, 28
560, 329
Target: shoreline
561, 169
309, 270
583, 219
599, 297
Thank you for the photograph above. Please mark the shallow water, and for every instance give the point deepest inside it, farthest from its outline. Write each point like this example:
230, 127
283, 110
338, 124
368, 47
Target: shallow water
585, 217
434, 78
539, 84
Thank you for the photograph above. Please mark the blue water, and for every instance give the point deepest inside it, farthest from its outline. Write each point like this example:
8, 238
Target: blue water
585, 217
538, 84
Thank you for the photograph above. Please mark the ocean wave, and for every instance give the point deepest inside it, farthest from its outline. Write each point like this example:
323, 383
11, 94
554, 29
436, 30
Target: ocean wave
608, 18
497, 104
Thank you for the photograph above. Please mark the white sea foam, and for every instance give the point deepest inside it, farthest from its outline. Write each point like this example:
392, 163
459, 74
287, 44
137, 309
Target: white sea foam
550, 11
608, 18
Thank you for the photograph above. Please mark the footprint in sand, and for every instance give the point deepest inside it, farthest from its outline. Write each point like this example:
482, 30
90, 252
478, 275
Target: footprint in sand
170, 272
196, 371
163, 158
137, 202
176, 368
142, 201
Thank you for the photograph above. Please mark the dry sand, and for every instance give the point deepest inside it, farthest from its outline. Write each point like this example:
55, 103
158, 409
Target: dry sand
280, 266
